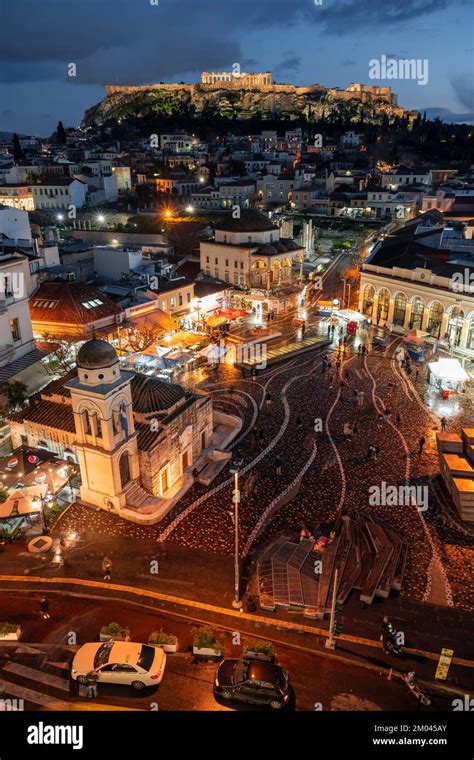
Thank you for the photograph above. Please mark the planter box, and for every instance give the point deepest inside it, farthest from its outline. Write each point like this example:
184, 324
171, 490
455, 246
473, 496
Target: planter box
259, 656
206, 652
13, 636
110, 637
170, 648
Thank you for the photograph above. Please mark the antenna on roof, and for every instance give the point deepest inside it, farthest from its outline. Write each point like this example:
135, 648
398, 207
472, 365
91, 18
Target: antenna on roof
93, 332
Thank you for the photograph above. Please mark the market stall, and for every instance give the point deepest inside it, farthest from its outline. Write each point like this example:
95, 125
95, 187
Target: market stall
448, 375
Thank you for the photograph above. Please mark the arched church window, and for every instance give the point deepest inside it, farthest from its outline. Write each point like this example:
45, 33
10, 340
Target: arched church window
124, 468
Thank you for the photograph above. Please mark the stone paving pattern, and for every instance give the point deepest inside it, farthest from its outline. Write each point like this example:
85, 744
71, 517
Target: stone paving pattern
279, 410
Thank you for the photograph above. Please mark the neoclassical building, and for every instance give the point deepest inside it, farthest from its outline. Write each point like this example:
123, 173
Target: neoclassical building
265, 269
140, 443
422, 277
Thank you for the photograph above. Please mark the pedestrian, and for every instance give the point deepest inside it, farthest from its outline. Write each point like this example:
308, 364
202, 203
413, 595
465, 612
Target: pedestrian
376, 451
359, 349
355, 396
417, 374
443, 424
380, 419
44, 608
360, 398
399, 420
278, 466
421, 444
261, 436
268, 399
92, 690
370, 452
106, 568
299, 420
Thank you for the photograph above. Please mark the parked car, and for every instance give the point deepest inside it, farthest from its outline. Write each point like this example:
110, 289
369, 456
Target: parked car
120, 662
260, 683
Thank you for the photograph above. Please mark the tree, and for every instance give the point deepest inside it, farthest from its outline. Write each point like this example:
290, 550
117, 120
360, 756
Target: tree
14, 393
61, 360
139, 339
18, 153
61, 133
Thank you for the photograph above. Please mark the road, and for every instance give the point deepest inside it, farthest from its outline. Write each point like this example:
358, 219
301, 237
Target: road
38, 672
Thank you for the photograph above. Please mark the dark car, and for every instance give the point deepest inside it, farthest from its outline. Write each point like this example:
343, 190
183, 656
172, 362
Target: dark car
260, 683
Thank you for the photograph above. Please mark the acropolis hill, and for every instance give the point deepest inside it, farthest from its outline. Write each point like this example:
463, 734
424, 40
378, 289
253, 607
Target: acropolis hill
243, 96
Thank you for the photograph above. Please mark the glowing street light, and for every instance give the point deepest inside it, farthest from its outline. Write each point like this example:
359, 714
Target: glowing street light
101, 218
189, 209
60, 217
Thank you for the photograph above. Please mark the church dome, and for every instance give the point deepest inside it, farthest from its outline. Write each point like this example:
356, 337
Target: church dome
96, 354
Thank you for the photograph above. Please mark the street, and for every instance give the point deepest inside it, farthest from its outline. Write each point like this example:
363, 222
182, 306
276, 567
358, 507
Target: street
38, 672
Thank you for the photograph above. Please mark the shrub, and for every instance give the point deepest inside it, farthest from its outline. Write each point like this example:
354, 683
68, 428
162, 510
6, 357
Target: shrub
262, 647
115, 629
160, 637
208, 638
8, 628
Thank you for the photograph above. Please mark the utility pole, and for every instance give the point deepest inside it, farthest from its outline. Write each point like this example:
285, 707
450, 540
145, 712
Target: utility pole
234, 470
331, 641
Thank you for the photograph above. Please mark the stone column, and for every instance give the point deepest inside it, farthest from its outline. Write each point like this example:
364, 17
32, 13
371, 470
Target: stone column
444, 326
425, 318
375, 307
464, 332
391, 309
406, 323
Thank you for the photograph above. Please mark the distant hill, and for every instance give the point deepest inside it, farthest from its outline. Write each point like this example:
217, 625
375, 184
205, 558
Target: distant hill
227, 101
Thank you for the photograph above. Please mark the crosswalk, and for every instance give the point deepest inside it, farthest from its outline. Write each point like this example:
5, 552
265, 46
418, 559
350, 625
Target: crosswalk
32, 680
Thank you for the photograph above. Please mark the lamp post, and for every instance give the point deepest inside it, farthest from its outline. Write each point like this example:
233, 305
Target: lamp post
234, 470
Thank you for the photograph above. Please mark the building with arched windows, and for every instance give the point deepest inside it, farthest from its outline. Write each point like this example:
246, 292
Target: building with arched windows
264, 269
140, 443
422, 277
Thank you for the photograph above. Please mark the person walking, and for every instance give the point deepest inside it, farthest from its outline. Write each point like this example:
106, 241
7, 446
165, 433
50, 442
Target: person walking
44, 608
399, 420
278, 467
421, 444
107, 568
443, 424
92, 690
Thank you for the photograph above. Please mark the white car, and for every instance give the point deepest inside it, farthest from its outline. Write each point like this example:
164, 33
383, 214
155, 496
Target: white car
121, 662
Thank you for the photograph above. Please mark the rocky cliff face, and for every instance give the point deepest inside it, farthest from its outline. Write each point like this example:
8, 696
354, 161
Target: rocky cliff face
265, 102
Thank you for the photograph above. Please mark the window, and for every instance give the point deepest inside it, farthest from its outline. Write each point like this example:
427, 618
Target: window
227, 262
188, 297
15, 329
180, 299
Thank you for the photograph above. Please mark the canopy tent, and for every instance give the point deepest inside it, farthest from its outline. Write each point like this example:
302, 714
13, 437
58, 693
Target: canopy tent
17, 504
414, 339
417, 334
157, 319
215, 321
448, 373
350, 315
213, 352
231, 313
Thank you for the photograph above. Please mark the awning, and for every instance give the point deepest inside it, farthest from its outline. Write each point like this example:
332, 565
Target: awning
449, 370
231, 313
214, 321
154, 319
18, 504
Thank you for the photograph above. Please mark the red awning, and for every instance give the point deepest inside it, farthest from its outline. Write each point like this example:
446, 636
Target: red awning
232, 313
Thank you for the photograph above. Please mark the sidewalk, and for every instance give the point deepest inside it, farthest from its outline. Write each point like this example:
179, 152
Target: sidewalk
199, 586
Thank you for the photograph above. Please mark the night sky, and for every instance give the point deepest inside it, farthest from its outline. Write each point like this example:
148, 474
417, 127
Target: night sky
137, 42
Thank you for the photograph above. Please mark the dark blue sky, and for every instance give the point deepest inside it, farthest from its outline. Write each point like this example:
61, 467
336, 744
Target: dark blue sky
137, 42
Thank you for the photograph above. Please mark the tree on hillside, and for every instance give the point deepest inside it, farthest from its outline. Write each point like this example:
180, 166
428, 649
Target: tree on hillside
18, 153
61, 133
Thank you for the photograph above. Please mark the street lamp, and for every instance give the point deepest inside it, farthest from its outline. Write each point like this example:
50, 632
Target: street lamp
235, 466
